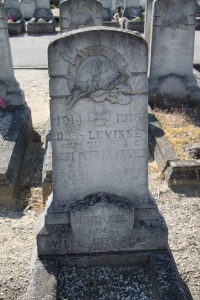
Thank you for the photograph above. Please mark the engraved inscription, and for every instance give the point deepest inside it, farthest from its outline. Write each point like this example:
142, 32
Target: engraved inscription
80, 245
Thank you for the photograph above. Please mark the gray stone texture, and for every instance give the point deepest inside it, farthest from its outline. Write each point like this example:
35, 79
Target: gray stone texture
42, 22
42, 4
80, 13
10, 91
12, 9
107, 10
99, 130
15, 132
11, 3
27, 8
43, 283
160, 148
171, 80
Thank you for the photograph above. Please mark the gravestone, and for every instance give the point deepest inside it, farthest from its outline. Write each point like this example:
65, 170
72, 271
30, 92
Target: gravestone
42, 4
171, 79
11, 3
80, 13
107, 10
100, 212
43, 21
16, 24
105, 145
27, 8
9, 88
15, 120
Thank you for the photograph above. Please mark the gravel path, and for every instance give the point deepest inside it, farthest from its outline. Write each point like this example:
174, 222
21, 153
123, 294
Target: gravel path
17, 237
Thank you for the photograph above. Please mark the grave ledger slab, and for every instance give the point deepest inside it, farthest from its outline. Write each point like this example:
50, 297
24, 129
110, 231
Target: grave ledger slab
99, 100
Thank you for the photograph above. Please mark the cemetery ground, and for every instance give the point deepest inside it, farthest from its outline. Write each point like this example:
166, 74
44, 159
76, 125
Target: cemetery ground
18, 236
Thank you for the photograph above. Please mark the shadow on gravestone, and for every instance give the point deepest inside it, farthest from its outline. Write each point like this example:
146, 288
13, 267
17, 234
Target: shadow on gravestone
15, 120
101, 213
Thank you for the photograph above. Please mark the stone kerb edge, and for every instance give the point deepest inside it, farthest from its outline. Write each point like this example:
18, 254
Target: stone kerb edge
178, 173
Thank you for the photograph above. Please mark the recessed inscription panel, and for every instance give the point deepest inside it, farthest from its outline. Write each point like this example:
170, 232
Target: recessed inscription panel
100, 147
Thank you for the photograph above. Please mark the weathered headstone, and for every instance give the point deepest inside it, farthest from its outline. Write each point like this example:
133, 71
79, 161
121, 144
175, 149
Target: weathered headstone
99, 143
11, 3
80, 13
42, 4
100, 212
15, 22
9, 87
27, 8
15, 120
171, 80
43, 20
107, 9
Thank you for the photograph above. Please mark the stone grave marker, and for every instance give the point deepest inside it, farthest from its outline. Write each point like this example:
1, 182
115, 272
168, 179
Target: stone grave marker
100, 214
27, 8
107, 9
9, 87
17, 26
42, 4
15, 120
99, 141
43, 21
11, 3
171, 79
80, 13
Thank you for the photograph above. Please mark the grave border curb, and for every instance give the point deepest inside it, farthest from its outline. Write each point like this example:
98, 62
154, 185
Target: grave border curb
178, 173
21, 131
170, 286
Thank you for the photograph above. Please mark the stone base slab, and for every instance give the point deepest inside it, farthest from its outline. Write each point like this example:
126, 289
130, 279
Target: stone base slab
16, 28
178, 174
157, 277
13, 146
40, 28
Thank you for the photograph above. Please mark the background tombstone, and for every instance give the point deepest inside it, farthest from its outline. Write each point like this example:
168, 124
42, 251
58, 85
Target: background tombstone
171, 80
15, 120
15, 22
11, 3
80, 13
100, 215
99, 146
42, 4
9, 88
43, 20
107, 10
27, 8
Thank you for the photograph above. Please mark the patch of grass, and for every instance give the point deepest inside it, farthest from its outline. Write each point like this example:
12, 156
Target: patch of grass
181, 127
